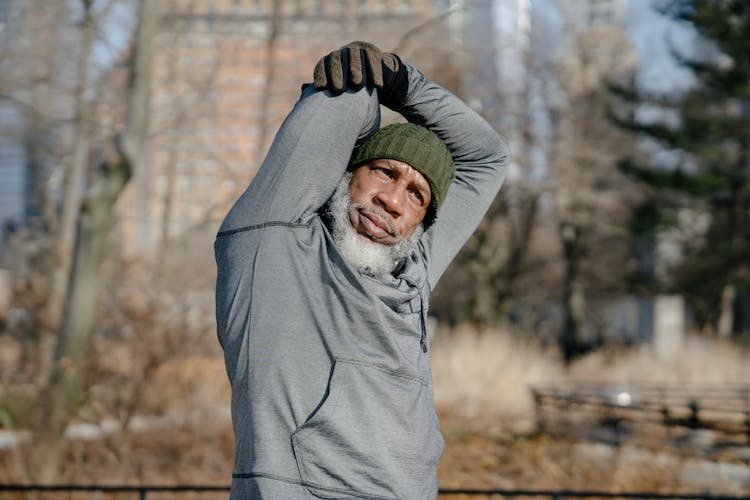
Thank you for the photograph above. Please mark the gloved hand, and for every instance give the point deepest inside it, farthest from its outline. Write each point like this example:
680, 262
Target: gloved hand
362, 64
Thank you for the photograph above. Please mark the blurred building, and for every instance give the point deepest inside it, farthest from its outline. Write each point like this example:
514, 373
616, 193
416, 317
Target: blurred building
28, 136
225, 73
533, 57
12, 170
544, 58
596, 46
12, 152
587, 38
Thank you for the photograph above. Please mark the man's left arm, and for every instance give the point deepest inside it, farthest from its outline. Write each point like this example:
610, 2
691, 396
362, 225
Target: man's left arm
481, 156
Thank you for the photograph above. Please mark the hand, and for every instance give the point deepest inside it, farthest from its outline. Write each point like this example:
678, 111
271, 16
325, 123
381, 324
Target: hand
362, 64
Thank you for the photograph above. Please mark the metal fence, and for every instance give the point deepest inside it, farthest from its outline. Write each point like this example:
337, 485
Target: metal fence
142, 492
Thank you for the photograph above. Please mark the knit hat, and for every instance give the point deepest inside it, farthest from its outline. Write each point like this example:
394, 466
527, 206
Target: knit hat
417, 146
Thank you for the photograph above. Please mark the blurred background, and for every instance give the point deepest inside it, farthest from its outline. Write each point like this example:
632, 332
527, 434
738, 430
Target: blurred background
593, 333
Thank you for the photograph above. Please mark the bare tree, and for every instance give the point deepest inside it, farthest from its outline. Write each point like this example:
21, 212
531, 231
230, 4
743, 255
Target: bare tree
496, 257
36, 85
591, 196
191, 93
556, 233
74, 168
66, 387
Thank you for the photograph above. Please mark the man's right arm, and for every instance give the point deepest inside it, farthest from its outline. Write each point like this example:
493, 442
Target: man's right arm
308, 157
306, 161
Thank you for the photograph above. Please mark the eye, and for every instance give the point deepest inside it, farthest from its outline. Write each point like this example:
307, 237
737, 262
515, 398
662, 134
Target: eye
384, 172
414, 193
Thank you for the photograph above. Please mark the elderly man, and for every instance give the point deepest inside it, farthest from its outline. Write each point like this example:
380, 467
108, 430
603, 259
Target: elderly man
325, 267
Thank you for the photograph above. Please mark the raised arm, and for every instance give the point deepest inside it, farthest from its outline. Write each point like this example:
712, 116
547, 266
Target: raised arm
479, 153
481, 157
307, 158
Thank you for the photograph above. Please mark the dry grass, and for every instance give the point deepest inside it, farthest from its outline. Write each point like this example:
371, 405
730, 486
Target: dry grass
485, 377
700, 360
481, 391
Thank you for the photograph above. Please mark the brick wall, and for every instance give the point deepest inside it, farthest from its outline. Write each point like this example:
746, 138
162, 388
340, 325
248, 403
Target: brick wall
213, 113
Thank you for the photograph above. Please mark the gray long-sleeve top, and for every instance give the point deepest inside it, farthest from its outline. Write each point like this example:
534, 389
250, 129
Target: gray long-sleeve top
330, 374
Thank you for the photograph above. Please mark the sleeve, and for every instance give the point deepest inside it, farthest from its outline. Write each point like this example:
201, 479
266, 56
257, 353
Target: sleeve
307, 158
481, 156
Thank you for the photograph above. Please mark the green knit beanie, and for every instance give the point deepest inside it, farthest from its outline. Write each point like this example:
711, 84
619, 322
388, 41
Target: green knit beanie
417, 146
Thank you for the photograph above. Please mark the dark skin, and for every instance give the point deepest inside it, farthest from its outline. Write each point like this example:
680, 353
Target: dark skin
389, 200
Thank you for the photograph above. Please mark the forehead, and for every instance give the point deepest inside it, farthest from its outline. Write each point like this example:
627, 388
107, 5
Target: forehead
404, 170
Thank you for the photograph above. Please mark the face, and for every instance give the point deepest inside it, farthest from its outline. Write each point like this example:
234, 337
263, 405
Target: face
389, 199
365, 254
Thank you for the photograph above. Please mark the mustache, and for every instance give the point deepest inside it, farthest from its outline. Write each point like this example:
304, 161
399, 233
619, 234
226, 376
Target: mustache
381, 214
368, 257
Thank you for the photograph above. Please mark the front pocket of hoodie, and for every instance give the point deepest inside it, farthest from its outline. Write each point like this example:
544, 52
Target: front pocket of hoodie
375, 436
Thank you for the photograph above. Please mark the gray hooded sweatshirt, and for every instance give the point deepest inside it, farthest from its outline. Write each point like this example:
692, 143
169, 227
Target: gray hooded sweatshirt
331, 384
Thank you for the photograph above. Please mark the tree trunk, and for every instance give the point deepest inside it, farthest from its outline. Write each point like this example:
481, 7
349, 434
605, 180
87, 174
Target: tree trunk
73, 174
725, 325
270, 71
519, 242
66, 389
573, 304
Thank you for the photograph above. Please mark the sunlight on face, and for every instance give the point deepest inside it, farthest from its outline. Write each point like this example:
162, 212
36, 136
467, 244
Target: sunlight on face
389, 200
367, 255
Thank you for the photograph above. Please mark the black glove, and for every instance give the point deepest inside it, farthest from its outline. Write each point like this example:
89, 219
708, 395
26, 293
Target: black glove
362, 64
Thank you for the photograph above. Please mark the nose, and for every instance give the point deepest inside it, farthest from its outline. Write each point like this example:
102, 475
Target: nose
392, 199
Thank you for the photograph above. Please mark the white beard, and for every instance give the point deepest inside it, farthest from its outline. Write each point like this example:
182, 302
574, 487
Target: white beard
369, 257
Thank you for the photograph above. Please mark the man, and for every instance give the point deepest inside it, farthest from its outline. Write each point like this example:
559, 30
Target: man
325, 266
